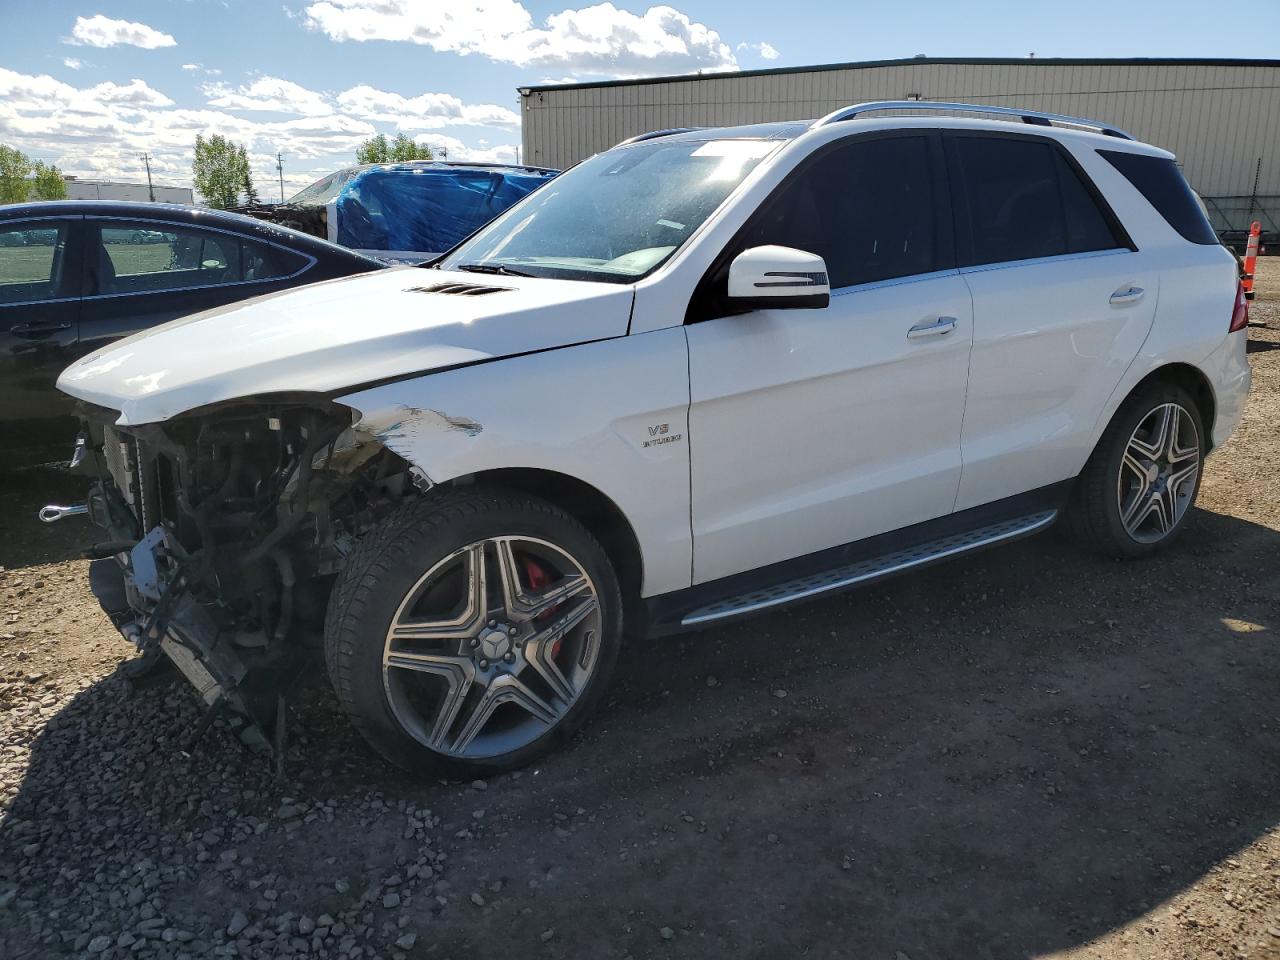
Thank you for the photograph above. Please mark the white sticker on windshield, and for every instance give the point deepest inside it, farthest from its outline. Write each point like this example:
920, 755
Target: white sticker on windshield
736, 149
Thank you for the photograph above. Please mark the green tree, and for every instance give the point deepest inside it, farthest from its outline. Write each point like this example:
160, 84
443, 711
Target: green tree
379, 149
220, 170
23, 179
403, 148
374, 150
14, 168
250, 192
49, 183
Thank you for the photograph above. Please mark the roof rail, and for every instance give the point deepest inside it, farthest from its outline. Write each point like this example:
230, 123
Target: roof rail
1026, 116
655, 134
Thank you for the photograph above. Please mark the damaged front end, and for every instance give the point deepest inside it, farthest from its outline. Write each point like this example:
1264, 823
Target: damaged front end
224, 528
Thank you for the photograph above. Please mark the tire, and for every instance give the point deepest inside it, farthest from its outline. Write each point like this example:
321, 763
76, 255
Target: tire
1108, 498
436, 690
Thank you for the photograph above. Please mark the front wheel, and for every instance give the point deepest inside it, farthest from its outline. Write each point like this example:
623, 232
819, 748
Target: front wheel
1138, 487
471, 633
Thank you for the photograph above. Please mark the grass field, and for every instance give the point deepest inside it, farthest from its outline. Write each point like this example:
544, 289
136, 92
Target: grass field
25, 264
133, 258
31, 264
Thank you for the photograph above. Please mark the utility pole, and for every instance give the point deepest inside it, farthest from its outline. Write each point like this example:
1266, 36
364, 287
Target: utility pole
280, 170
146, 158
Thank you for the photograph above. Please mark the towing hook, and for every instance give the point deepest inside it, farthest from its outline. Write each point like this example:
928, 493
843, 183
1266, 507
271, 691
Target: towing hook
53, 513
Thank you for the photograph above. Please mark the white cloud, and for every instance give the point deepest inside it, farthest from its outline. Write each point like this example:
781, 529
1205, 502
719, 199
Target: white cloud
136, 93
100, 31
462, 26
600, 39
99, 130
428, 111
271, 95
36, 95
765, 49
72, 63
455, 149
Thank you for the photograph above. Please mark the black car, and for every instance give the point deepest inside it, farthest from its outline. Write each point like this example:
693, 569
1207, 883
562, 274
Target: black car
76, 275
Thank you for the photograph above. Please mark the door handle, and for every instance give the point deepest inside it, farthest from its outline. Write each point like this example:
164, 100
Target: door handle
932, 328
1127, 295
34, 331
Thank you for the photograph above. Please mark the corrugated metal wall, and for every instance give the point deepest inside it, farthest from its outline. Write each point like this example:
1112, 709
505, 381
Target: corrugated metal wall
1220, 119
78, 189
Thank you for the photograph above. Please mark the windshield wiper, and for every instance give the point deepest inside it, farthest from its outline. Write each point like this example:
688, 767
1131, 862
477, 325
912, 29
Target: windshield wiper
499, 268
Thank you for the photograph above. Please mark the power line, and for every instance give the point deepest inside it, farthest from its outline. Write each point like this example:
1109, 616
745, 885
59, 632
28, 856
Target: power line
146, 158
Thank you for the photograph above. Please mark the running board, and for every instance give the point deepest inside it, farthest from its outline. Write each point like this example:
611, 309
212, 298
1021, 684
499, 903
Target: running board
875, 568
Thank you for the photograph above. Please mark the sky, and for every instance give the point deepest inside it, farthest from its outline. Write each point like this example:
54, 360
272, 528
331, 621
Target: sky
91, 85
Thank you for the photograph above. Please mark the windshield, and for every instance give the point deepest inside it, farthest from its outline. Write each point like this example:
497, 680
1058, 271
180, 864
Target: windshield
323, 190
617, 216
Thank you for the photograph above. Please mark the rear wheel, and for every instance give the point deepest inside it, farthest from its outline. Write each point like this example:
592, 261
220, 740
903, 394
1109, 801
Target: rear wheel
472, 634
1138, 487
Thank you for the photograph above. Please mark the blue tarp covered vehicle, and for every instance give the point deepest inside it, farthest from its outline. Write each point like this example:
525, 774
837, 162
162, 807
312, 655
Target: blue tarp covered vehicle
406, 211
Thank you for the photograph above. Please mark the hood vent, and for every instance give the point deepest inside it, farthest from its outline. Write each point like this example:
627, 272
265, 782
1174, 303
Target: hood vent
458, 289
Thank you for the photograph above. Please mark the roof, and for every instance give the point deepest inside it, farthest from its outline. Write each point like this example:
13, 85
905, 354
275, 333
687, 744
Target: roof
778, 130
912, 61
990, 118
456, 165
118, 208
102, 182
177, 213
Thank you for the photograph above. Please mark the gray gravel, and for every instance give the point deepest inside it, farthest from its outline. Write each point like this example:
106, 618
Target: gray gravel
114, 844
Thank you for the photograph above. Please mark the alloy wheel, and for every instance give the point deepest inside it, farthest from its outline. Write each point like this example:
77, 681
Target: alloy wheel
1158, 473
492, 647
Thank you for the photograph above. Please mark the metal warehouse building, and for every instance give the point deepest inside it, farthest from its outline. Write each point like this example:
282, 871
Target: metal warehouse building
79, 188
1221, 117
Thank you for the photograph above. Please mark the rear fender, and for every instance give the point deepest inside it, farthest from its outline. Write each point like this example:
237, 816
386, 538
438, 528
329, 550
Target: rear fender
1197, 296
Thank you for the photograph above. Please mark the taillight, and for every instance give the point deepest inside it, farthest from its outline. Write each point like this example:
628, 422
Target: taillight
1240, 315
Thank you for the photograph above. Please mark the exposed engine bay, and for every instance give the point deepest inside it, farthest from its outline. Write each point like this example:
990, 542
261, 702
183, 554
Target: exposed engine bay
224, 531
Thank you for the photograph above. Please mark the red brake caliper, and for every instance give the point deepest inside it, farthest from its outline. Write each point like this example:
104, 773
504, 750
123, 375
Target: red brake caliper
539, 579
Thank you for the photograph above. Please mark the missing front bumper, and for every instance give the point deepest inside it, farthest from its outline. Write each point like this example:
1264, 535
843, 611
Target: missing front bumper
244, 684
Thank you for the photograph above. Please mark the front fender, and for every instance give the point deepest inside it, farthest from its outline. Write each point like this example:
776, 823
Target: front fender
613, 414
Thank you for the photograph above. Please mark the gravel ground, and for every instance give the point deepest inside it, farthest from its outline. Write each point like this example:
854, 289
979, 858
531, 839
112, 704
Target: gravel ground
1031, 752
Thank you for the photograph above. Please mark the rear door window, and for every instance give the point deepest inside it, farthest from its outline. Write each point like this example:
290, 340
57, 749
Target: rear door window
1162, 183
1020, 199
138, 258
33, 262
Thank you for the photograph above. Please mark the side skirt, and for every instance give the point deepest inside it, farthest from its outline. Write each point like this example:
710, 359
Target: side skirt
856, 564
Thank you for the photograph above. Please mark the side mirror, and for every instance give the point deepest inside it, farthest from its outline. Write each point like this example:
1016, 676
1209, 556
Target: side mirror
778, 278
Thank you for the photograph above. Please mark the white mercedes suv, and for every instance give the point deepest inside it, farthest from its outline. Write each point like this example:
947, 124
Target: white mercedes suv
702, 374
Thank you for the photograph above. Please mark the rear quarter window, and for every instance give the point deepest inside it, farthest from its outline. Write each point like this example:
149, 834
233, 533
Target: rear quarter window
1162, 183
262, 261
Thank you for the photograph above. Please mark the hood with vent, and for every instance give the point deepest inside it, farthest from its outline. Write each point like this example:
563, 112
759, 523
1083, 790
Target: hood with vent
333, 336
